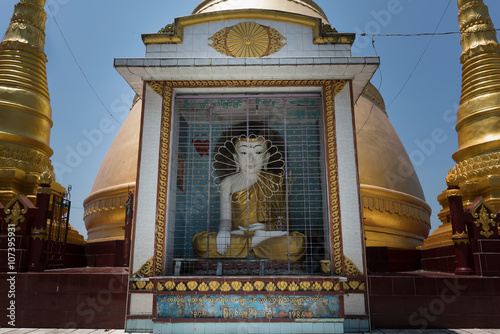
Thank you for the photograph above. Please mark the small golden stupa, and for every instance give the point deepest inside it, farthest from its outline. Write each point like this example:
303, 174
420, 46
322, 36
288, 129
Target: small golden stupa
25, 111
478, 119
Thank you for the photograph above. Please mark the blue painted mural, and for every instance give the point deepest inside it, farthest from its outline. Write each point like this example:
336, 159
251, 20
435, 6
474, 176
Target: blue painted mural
248, 306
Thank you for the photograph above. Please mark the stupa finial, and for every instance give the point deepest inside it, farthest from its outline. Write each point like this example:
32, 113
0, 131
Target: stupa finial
27, 26
476, 26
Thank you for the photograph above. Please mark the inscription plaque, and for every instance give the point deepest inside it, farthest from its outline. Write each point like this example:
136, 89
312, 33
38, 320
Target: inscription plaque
247, 306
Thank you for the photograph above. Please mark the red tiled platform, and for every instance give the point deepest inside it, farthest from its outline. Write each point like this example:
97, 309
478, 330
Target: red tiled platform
105, 254
439, 259
434, 300
384, 259
68, 298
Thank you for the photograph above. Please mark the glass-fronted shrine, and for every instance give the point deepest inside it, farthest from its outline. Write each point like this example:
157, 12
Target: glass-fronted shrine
215, 139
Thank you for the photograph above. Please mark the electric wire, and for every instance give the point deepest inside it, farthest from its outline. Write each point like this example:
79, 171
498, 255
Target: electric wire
379, 86
430, 33
421, 57
80, 67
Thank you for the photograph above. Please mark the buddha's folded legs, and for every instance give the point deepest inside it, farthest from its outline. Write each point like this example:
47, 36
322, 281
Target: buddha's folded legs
205, 245
274, 249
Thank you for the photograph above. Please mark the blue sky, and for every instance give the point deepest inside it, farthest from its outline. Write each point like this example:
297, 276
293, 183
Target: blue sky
98, 31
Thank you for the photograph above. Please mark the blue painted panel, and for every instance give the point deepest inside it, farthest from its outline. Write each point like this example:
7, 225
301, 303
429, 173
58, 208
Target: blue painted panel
247, 307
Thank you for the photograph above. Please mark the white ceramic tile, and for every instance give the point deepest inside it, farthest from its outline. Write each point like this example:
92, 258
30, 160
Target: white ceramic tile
153, 48
214, 27
154, 55
169, 47
282, 27
200, 43
294, 42
348, 181
141, 304
296, 29
185, 62
354, 304
147, 185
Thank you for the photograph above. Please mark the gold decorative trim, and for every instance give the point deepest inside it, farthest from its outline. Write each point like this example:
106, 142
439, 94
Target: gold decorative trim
39, 233
322, 33
373, 94
392, 206
350, 268
14, 214
146, 270
111, 202
28, 160
161, 214
354, 286
477, 167
170, 34
247, 40
44, 190
325, 34
143, 286
485, 219
210, 286
330, 89
46, 177
305, 3
461, 238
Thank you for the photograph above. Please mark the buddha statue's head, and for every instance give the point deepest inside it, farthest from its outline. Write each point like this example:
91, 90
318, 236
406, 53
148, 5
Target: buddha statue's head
251, 154
248, 147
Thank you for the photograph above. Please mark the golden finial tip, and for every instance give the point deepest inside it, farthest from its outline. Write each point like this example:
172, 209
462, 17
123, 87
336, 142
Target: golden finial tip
452, 179
46, 177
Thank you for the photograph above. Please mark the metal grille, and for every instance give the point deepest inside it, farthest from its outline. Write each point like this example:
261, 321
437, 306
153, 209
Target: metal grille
58, 231
207, 131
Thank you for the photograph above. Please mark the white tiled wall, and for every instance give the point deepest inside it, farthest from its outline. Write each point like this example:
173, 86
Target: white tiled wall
144, 229
299, 42
348, 181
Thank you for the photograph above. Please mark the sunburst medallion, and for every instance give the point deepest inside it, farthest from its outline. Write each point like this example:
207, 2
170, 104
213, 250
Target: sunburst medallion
247, 40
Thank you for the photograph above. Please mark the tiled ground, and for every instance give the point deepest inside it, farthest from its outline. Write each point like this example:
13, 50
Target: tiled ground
378, 331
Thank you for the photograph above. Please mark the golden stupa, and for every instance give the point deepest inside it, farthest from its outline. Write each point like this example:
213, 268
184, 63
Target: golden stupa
395, 211
25, 110
478, 117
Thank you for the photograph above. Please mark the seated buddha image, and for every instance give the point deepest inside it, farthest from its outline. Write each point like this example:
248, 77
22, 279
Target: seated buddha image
249, 170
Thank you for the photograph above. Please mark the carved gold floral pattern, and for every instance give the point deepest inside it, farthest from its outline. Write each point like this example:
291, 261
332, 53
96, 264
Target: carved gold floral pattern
203, 287
298, 285
15, 215
247, 40
259, 285
214, 285
484, 220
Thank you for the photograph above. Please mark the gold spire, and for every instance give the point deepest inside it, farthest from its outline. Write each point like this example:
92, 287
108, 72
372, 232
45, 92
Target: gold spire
478, 119
25, 111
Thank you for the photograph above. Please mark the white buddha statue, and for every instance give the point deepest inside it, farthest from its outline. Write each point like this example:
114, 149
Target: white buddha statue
253, 205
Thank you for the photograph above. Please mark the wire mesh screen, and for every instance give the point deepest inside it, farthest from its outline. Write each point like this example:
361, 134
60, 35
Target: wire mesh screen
248, 194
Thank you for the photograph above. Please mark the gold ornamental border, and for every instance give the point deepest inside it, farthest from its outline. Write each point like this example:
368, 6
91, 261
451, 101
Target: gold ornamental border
257, 286
330, 89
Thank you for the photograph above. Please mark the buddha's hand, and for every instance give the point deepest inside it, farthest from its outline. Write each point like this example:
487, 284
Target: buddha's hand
223, 241
261, 235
